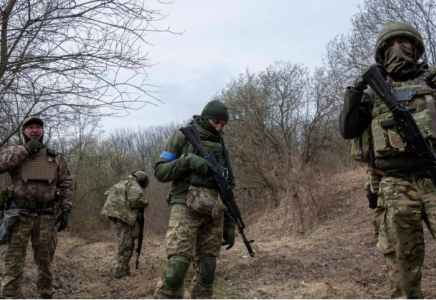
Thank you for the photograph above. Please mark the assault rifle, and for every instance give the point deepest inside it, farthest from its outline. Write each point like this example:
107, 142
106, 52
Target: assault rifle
406, 125
141, 222
224, 187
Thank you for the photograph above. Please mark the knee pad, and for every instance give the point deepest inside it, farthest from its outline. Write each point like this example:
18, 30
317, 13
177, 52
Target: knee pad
206, 271
175, 274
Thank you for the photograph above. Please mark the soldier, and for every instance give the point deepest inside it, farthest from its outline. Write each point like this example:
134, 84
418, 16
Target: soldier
197, 223
124, 206
36, 173
405, 195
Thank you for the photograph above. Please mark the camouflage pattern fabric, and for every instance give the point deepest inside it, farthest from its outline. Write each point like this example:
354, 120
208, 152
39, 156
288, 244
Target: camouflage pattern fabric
191, 235
42, 232
125, 248
206, 201
402, 207
121, 198
12, 160
395, 29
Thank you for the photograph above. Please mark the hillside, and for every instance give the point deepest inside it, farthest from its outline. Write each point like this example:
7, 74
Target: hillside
338, 259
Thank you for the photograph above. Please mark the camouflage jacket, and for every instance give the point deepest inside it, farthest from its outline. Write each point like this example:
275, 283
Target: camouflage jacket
12, 160
173, 166
364, 109
123, 201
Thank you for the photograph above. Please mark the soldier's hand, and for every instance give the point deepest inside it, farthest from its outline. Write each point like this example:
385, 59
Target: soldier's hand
33, 146
228, 237
372, 199
430, 79
360, 84
199, 164
62, 219
229, 231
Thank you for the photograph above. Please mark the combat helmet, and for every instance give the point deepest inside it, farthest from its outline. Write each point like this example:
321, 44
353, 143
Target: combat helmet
142, 178
395, 29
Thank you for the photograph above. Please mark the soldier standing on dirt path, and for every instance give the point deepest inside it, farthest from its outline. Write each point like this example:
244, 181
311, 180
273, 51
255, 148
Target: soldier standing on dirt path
36, 173
123, 203
198, 222
406, 196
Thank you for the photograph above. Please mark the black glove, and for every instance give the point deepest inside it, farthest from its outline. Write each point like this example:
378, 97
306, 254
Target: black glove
63, 218
33, 146
229, 231
199, 164
372, 199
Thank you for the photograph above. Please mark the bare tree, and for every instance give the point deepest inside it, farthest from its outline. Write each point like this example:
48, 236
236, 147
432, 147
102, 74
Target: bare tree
67, 57
348, 55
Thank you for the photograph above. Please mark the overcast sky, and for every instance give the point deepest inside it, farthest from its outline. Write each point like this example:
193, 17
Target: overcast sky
221, 39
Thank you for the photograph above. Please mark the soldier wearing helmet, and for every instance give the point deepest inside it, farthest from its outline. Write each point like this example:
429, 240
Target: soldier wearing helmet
37, 174
400, 190
124, 206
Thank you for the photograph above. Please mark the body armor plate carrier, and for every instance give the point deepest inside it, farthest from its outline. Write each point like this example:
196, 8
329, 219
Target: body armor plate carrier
39, 168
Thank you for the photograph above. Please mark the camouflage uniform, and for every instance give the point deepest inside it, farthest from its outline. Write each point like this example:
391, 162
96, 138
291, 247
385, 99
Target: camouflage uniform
406, 195
122, 205
34, 223
195, 229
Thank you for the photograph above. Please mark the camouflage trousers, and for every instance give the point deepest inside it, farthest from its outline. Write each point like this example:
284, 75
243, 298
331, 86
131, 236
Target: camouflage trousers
191, 236
403, 206
41, 230
125, 248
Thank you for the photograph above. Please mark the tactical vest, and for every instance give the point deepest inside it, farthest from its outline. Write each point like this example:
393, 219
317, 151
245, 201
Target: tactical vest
39, 168
414, 95
181, 185
216, 150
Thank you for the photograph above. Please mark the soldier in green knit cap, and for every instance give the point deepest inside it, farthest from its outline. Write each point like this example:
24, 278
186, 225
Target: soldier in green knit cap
199, 222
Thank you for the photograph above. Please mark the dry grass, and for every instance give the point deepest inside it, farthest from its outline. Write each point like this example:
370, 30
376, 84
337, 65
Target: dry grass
336, 259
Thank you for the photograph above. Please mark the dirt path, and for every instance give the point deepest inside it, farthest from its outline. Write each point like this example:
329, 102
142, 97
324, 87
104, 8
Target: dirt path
336, 260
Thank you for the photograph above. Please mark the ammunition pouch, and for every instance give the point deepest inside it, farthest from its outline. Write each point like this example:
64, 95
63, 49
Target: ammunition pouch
386, 136
25, 204
205, 201
360, 146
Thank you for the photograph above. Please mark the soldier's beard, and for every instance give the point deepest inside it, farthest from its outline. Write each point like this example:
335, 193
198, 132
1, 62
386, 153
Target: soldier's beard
400, 62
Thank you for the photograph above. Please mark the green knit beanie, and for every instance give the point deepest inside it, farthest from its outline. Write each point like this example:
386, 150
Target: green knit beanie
215, 110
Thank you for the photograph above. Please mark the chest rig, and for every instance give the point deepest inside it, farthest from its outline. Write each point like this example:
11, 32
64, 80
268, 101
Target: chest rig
39, 168
217, 152
414, 95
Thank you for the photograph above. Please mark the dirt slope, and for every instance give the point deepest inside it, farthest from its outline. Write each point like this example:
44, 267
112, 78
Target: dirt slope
336, 260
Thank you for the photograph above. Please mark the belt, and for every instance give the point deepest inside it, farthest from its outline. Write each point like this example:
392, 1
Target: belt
33, 204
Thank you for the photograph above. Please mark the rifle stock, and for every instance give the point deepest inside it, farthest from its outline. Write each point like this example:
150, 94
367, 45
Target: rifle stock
224, 187
404, 120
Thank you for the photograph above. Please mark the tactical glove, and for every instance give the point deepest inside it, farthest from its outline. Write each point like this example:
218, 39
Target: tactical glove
33, 146
199, 164
63, 218
359, 84
430, 79
229, 231
372, 199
